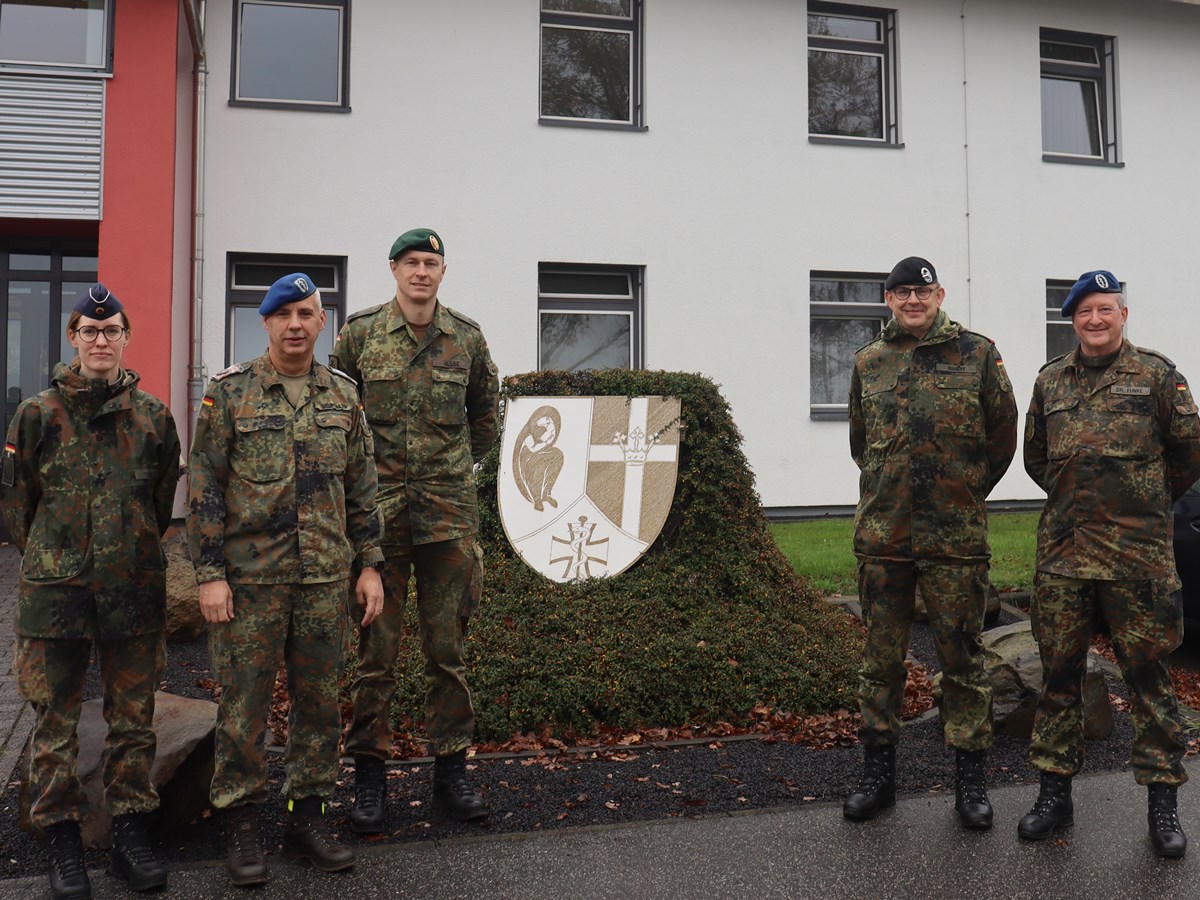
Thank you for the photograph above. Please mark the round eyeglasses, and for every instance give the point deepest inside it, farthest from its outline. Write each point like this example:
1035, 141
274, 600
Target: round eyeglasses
922, 292
88, 333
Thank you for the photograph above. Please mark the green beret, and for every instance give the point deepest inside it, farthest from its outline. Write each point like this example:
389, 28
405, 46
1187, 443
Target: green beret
418, 239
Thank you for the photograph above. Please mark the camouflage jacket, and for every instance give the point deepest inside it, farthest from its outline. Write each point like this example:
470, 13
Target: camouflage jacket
433, 409
933, 427
89, 477
281, 495
1112, 460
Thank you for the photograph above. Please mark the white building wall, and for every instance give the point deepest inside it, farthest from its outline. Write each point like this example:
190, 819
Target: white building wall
723, 199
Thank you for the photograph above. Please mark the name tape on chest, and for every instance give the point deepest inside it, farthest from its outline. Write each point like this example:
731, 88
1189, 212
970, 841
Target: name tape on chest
451, 364
1127, 390
956, 370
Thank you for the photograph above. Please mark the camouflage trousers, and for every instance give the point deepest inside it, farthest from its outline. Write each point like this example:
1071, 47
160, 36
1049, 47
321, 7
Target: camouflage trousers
956, 596
303, 625
448, 580
50, 675
1145, 619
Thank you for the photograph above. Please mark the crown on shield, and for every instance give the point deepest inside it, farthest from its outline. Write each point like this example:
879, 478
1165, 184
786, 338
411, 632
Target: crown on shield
636, 446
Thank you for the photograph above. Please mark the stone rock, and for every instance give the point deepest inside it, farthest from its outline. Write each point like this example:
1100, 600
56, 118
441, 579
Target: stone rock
990, 614
184, 619
182, 772
1015, 670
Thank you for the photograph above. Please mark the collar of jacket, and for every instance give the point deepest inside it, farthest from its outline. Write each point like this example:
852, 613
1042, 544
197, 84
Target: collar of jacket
264, 370
942, 329
1125, 361
442, 321
91, 397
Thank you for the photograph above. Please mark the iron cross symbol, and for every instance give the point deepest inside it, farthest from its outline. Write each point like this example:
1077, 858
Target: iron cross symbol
637, 451
580, 559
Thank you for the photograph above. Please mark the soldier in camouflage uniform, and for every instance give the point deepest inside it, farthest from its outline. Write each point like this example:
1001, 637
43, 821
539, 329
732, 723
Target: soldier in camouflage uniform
1113, 438
282, 501
430, 393
89, 477
933, 429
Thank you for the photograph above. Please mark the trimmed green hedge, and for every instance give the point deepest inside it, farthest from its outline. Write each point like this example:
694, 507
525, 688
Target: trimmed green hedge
710, 623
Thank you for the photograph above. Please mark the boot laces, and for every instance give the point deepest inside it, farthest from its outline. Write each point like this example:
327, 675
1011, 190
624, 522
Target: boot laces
66, 855
245, 839
972, 783
1044, 805
132, 840
1166, 818
369, 795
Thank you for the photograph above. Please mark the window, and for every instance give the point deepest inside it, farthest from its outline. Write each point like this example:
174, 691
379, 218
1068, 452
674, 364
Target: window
1079, 110
249, 279
846, 310
293, 55
41, 33
591, 62
851, 74
589, 317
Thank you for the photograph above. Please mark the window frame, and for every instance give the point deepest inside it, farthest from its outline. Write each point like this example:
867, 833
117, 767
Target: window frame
341, 105
886, 49
1103, 75
250, 296
634, 26
64, 68
867, 312
632, 305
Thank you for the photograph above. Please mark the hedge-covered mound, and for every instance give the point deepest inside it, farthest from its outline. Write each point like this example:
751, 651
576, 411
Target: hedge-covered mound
709, 624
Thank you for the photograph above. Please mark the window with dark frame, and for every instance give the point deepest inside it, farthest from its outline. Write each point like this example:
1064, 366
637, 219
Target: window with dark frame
589, 317
1079, 110
291, 55
53, 34
846, 311
248, 278
852, 73
591, 62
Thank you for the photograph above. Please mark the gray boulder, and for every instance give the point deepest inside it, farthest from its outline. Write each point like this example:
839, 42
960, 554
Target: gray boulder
1015, 670
182, 772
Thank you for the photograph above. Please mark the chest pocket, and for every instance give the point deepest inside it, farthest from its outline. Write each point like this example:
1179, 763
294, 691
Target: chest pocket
333, 427
384, 393
262, 450
1062, 426
1130, 431
449, 406
956, 405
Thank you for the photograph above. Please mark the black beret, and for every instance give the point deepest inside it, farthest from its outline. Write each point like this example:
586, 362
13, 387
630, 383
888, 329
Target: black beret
912, 270
287, 289
98, 302
1097, 282
425, 239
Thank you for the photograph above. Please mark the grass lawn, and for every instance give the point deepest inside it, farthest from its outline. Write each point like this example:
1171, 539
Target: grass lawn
820, 550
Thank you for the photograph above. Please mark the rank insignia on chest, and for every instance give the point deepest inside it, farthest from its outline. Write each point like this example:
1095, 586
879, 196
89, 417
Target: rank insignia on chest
1130, 390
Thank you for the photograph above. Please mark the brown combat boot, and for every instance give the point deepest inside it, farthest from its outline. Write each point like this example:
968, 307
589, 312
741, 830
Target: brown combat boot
453, 792
245, 861
307, 836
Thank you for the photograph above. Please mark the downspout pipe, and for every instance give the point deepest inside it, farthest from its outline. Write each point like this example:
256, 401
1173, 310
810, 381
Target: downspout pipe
195, 11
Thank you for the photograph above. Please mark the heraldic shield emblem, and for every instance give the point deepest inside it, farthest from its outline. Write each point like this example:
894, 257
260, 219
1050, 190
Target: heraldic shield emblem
586, 483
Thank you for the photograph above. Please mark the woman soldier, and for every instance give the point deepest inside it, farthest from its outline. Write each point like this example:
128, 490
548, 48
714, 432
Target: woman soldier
88, 483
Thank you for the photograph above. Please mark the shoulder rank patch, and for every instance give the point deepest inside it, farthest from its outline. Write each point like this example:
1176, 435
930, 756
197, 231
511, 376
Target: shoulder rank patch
9, 477
337, 371
370, 310
467, 319
235, 369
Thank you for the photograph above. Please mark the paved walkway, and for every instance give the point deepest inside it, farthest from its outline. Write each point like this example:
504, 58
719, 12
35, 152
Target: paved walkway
16, 718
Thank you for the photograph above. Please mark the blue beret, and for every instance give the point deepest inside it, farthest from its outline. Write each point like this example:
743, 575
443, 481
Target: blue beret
911, 270
1097, 282
287, 289
425, 239
98, 302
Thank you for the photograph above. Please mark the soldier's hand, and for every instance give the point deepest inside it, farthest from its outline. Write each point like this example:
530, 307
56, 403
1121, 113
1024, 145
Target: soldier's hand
369, 594
216, 601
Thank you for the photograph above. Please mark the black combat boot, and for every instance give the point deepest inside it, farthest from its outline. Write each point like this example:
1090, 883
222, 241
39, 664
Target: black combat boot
131, 858
64, 862
877, 789
1166, 835
1052, 809
970, 789
307, 837
453, 792
245, 861
370, 796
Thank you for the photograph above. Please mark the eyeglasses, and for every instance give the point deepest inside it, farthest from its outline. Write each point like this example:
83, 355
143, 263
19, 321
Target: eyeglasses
923, 292
88, 333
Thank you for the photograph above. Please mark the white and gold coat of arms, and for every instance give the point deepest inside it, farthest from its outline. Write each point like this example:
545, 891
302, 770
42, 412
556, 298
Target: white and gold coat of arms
586, 483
